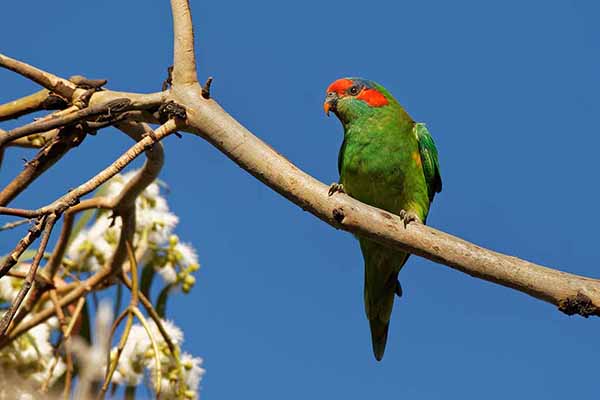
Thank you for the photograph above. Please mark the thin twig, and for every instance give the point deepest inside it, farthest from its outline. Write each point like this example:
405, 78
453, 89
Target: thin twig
75, 316
155, 317
158, 376
35, 141
61, 244
19, 212
112, 365
32, 234
65, 340
7, 317
55, 358
66, 139
11, 225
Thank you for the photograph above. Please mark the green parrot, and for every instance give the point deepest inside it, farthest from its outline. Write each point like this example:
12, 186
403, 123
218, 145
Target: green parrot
390, 162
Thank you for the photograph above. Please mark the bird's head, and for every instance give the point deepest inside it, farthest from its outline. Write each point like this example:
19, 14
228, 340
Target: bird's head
353, 98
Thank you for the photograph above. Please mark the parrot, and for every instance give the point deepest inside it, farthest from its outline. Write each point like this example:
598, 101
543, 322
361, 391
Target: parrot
390, 162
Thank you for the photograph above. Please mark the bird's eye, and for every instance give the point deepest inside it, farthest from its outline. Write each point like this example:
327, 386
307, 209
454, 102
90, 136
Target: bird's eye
353, 91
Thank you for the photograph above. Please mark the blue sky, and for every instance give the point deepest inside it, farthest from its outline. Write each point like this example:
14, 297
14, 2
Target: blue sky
509, 91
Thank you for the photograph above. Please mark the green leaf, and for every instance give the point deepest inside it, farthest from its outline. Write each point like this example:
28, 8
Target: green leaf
161, 302
130, 393
85, 331
148, 274
119, 301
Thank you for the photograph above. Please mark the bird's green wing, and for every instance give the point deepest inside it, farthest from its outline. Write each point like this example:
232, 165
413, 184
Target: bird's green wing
429, 159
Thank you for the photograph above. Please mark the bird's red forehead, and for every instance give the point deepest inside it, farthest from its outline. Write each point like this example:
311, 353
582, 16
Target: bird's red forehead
340, 86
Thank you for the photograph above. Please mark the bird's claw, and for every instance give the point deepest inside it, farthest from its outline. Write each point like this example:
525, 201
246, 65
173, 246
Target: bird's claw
336, 188
408, 217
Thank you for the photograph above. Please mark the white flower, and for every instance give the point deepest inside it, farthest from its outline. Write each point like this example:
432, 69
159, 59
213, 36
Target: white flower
137, 354
168, 273
160, 224
8, 288
191, 374
92, 247
116, 185
192, 371
32, 356
173, 331
188, 254
130, 370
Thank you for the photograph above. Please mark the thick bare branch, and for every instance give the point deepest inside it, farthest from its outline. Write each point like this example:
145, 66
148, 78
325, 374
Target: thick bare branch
184, 59
571, 293
110, 108
41, 100
51, 82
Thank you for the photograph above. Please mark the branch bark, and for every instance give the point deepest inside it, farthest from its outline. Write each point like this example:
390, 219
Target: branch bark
184, 59
572, 294
65, 140
51, 82
203, 116
41, 100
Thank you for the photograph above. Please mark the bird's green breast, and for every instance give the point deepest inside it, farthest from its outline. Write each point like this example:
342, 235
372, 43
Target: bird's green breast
380, 165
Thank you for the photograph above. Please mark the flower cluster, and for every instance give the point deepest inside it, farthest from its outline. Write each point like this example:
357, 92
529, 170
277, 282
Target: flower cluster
34, 358
180, 375
164, 252
31, 355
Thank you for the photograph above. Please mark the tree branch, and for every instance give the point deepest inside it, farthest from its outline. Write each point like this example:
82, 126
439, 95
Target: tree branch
29, 279
51, 82
184, 59
571, 293
66, 139
109, 109
41, 100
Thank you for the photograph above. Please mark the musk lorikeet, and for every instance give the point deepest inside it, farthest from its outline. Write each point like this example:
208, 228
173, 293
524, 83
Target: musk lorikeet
390, 162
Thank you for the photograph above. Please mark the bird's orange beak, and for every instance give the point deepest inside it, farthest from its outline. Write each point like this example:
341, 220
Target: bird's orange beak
327, 107
330, 102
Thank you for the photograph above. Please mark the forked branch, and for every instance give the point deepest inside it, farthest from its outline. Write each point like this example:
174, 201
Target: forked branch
572, 294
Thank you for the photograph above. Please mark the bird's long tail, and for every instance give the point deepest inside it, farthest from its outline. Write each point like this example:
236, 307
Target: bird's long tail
381, 285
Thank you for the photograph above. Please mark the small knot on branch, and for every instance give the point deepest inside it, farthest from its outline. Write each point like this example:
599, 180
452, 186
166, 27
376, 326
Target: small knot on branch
579, 304
206, 88
169, 110
118, 105
90, 86
338, 215
84, 83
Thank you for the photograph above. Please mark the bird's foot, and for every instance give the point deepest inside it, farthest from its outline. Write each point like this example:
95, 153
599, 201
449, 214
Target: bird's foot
408, 217
398, 289
335, 188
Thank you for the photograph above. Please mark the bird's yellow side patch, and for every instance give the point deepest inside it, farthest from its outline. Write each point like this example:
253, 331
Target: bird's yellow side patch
417, 157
